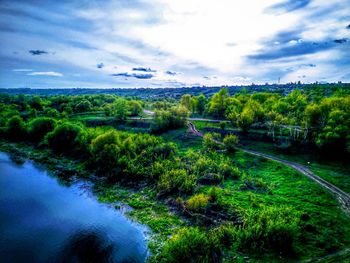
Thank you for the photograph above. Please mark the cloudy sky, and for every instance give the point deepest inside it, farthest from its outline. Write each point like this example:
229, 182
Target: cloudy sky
172, 43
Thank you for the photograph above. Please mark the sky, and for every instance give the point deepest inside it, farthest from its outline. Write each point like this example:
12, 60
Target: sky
172, 43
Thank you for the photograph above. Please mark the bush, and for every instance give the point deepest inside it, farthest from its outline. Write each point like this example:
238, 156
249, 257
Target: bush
210, 141
272, 228
230, 142
106, 150
176, 180
66, 138
198, 203
16, 128
174, 118
195, 245
188, 245
39, 127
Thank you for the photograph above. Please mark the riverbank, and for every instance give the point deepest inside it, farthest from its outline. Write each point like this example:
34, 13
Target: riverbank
138, 203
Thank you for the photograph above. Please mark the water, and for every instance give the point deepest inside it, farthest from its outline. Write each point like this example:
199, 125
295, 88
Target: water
44, 221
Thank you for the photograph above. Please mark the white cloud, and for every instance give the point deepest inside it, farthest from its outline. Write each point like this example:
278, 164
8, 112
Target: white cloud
45, 73
22, 70
195, 38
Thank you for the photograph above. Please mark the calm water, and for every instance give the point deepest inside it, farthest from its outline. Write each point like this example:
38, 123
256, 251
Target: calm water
43, 221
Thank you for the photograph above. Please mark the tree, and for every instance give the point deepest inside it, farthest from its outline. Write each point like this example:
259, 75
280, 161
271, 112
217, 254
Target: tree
201, 102
66, 138
210, 141
174, 118
245, 119
222, 125
39, 127
135, 108
83, 106
120, 109
16, 128
230, 142
186, 101
36, 103
218, 103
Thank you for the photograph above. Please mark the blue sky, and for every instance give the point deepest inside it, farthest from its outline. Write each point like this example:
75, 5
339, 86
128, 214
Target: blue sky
164, 43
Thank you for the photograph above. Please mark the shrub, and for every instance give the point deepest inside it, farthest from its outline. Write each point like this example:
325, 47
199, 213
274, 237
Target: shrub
174, 118
198, 203
16, 128
222, 125
66, 138
210, 141
272, 228
188, 245
106, 150
195, 245
39, 127
176, 180
230, 142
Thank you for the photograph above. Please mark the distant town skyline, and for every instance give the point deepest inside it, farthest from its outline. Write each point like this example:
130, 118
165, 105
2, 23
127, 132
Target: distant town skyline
160, 43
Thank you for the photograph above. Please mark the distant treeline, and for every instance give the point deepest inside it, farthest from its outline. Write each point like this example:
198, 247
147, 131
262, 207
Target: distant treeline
175, 92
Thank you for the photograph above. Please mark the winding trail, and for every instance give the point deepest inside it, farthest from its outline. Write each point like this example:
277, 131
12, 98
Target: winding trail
342, 197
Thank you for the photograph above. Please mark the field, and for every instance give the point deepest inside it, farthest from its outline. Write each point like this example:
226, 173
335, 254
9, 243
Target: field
187, 175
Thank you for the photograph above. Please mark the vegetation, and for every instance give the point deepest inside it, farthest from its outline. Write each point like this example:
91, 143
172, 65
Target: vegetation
204, 199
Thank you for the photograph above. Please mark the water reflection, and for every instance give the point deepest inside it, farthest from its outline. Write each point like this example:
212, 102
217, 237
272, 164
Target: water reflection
44, 221
87, 247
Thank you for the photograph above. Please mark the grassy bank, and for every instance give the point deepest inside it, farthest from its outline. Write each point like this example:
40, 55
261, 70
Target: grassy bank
139, 203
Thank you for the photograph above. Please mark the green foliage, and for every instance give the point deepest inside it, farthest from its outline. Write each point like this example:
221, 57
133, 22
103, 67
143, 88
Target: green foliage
219, 103
222, 125
186, 101
176, 181
210, 141
39, 127
175, 118
188, 245
16, 129
66, 138
83, 106
135, 108
198, 203
272, 228
230, 142
120, 109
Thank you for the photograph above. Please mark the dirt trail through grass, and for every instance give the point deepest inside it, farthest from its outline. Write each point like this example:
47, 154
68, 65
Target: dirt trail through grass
342, 197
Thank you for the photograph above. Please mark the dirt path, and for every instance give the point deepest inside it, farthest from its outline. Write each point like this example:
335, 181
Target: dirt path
342, 197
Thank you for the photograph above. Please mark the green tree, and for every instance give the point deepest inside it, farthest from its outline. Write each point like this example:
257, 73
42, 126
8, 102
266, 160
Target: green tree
16, 128
201, 103
186, 101
39, 127
120, 109
83, 106
66, 138
230, 142
218, 103
135, 108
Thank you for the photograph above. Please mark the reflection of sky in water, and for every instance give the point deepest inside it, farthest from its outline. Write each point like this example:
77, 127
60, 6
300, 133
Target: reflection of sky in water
40, 219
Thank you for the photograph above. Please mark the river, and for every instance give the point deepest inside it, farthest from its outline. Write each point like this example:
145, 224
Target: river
42, 220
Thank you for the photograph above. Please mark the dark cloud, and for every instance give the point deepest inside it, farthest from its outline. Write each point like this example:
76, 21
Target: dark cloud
340, 41
284, 36
134, 75
288, 6
290, 50
37, 52
144, 69
348, 27
171, 73
100, 65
